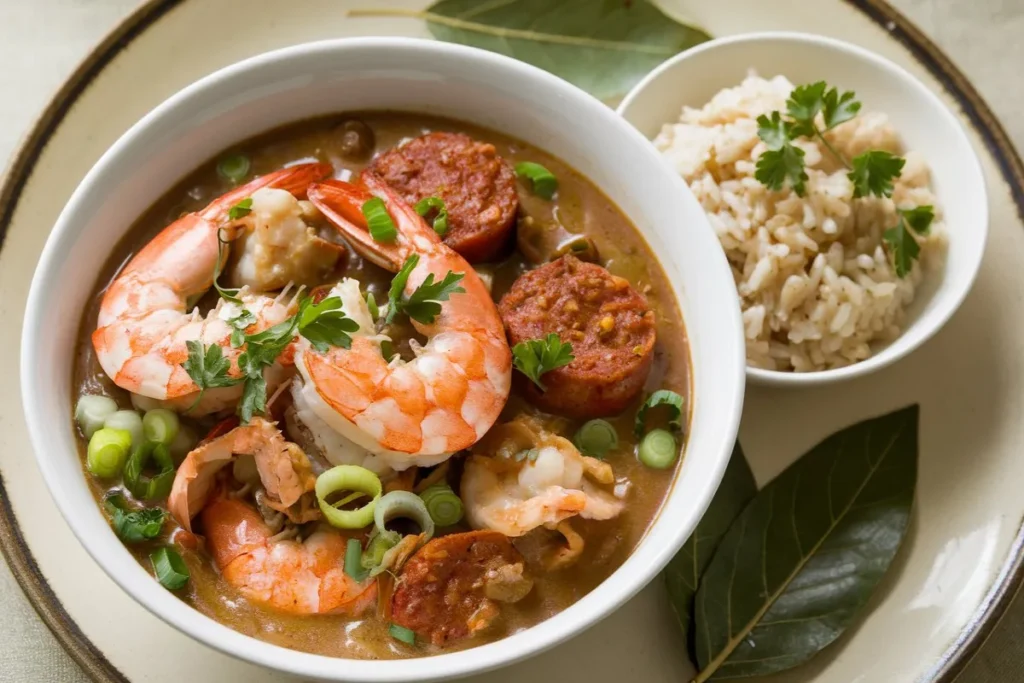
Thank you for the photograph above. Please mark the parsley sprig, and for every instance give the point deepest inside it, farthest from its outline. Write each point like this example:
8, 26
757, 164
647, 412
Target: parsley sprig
872, 173
535, 357
323, 324
423, 305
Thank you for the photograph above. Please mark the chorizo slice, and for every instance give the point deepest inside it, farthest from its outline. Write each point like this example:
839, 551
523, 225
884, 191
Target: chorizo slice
609, 324
477, 185
451, 588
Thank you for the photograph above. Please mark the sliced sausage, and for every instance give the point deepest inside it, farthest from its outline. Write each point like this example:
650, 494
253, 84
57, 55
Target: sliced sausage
451, 587
608, 323
478, 188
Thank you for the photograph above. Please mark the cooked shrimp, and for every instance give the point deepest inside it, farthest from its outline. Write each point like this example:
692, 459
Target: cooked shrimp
277, 246
421, 411
306, 577
530, 483
144, 321
284, 471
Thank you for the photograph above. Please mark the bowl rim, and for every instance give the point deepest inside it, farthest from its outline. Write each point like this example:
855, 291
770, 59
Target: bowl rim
955, 298
586, 612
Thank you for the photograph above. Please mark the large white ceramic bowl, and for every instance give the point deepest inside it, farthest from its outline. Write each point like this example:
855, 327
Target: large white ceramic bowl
923, 122
402, 74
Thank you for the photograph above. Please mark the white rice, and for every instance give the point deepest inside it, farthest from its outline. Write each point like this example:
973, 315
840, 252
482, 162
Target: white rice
816, 286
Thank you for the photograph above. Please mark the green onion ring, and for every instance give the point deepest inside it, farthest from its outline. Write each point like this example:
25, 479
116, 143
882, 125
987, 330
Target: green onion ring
171, 571
403, 634
354, 560
348, 478
149, 488
543, 181
444, 506
596, 438
403, 504
380, 544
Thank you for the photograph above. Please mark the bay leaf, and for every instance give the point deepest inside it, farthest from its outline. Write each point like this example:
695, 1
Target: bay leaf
805, 555
602, 46
682, 575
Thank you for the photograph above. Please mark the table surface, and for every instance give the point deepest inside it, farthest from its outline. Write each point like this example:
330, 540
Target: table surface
43, 40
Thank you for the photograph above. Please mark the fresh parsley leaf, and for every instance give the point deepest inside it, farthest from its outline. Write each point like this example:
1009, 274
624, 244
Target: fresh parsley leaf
535, 357
133, 526
803, 105
398, 284
241, 209
873, 172
919, 219
903, 247
423, 304
775, 167
663, 397
239, 324
325, 325
207, 366
839, 108
773, 131
254, 397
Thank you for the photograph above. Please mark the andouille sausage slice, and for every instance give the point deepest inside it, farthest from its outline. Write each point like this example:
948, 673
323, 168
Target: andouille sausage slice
477, 185
608, 323
451, 587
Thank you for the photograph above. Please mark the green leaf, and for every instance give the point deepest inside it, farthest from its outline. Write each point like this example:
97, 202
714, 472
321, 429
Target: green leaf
839, 108
775, 167
535, 357
422, 305
919, 219
133, 526
662, 397
773, 131
207, 367
602, 46
803, 105
241, 209
874, 173
805, 555
398, 284
239, 324
903, 248
254, 397
683, 573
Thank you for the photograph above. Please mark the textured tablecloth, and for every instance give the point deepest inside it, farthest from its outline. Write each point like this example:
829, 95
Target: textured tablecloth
41, 41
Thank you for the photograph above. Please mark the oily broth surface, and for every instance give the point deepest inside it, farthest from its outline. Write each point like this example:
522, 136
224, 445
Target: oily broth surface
580, 208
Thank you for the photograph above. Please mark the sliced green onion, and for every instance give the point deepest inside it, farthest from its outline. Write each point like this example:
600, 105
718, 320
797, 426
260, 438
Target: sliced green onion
596, 438
108, 449
184, 441
371, 304
543, 181
129, 421
382, 228
403, 634
428, 205
234, 168
160, 426
171, 571
658, 450
92, 411
673, 404
149, 488
380, 544
354, 560
444, 506
403, 504
348, 478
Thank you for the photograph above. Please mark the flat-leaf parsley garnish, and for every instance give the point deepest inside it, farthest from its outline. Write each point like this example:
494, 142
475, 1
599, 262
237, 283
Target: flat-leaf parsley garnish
535, 357
423, 305
872, 173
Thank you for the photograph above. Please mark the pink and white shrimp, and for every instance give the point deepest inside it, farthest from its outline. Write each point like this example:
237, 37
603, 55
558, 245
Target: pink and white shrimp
404, 413
144, 320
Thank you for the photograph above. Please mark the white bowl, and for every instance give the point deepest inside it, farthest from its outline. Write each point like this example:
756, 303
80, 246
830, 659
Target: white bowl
386, 73
919, 116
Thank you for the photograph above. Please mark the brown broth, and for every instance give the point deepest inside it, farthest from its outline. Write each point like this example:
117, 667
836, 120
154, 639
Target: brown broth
580, 208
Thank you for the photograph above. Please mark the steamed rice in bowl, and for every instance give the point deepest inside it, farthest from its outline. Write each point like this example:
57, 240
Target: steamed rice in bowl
817, 288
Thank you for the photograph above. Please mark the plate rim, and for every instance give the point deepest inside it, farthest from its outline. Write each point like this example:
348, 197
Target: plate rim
92, 660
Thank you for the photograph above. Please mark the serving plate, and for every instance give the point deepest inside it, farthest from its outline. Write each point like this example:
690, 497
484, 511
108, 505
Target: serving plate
952, 580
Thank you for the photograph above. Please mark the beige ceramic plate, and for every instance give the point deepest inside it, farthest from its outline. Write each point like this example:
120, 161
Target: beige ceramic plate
953, 578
